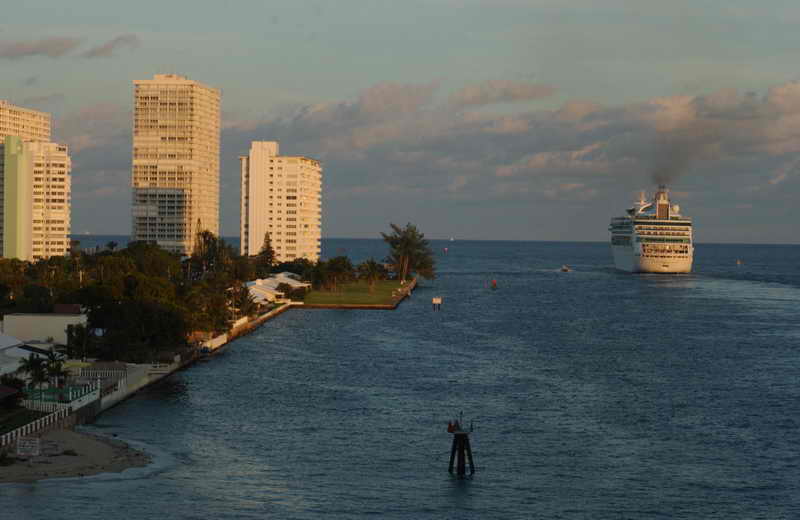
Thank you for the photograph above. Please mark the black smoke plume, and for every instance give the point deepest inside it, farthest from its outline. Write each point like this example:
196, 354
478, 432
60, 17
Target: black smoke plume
677, 149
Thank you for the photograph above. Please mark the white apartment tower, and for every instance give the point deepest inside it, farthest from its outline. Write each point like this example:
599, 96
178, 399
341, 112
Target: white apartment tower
282, 196
175, 174
27, 124
35, 186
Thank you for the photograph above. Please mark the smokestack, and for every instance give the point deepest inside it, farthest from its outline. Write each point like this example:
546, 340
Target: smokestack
662, 202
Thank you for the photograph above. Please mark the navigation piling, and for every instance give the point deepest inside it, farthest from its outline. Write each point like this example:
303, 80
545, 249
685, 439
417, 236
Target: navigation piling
461, 451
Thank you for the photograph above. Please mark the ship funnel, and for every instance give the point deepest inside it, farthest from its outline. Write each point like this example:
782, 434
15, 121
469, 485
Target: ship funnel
662, 202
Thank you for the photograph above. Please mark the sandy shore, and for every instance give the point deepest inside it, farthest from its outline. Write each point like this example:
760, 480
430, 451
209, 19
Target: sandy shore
93, 454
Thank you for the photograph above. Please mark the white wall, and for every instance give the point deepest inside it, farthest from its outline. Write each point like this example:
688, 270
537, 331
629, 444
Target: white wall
39, 327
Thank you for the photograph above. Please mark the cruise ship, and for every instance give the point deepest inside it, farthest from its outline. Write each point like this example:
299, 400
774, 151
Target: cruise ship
653, 237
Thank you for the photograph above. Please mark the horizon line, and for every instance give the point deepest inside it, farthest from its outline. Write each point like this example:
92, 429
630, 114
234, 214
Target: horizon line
77, 235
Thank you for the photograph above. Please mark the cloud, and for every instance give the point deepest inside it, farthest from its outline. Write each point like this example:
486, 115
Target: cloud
406, 152
106, 50
499, 91
100, 126
400, 130
386, 99
46, 102
51, 47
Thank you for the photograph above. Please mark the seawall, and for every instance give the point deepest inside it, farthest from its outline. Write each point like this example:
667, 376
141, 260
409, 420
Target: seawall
138, 377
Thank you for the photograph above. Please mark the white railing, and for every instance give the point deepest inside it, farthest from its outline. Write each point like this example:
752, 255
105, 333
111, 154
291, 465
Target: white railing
43, 406
34, 427
91, 373
85, 399
78, 398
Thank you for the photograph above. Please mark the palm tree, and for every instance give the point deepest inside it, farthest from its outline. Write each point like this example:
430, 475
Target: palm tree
340, 269
371, 271
34, 366
409, 252
54, 367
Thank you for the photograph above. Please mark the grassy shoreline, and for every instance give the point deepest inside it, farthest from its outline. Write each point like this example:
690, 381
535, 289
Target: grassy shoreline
358, 293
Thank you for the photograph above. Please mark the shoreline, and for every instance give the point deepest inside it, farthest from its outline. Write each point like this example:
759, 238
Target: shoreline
67, 453
93, 454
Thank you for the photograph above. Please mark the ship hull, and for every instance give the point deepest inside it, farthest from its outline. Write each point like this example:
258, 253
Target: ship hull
626, 260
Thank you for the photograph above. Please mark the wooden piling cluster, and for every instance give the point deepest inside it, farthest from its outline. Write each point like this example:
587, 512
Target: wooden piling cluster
461, 451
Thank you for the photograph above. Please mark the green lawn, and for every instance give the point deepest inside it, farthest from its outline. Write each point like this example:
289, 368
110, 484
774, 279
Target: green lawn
356, 293
13, 419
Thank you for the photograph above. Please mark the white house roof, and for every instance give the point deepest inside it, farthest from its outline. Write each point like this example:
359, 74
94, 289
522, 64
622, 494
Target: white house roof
261, 293
290, 281
8, 342
10, 355
274, 281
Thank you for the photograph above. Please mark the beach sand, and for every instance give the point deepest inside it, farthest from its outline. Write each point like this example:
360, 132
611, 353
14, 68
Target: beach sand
93, 454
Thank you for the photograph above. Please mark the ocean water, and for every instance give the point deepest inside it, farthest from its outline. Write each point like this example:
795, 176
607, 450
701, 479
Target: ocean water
594, 395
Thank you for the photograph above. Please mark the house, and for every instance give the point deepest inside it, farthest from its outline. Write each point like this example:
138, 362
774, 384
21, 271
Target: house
10, 354
290, 279
263, 292
50, 327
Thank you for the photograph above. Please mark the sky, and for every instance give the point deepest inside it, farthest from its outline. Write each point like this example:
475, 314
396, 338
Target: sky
473, 119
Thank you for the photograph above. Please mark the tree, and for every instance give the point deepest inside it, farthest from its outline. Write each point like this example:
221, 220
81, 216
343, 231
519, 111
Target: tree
35, 367
299, 266
319, 275
409, 252
35, 298
77, 341
10, 380
265, 258
297, 294
12, 274
54, 366
152, 260
371, 271
211, 253
111, 246
340, 270
243, 302
140, 331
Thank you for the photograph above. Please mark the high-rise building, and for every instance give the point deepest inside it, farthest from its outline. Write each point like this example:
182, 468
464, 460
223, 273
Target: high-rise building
281, 195
27, 124
36, 199
35, 186
175, 173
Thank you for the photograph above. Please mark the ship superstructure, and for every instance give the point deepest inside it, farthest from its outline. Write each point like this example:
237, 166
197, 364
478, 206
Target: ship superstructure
653, 237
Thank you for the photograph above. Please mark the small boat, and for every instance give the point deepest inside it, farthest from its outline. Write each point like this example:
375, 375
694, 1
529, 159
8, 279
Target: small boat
565, 268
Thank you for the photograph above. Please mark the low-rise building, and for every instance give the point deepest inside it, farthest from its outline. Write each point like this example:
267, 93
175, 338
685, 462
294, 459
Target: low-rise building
50, 327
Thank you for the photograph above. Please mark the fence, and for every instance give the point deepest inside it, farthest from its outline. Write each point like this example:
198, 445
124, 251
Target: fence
44, 406
55, 419
114, 374
78, 400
